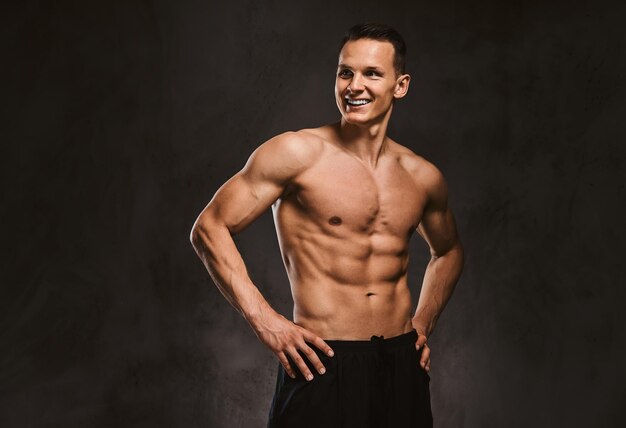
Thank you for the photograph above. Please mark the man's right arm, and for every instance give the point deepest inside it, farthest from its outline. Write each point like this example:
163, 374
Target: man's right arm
236, 204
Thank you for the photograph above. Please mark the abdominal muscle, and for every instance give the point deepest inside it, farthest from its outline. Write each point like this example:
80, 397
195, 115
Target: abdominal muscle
346, 285
336, 311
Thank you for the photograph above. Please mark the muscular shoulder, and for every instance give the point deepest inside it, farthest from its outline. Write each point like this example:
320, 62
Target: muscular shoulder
284, 156
425, 174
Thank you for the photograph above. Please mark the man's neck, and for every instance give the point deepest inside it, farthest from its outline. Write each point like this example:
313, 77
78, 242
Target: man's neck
366, 142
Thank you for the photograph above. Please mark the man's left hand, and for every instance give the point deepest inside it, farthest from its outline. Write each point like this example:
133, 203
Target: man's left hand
425, 358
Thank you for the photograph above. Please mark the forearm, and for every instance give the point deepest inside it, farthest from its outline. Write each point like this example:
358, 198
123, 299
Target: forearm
214, 245
440, 278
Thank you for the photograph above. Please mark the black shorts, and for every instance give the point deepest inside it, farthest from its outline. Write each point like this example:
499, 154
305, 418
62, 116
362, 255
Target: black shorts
375, 383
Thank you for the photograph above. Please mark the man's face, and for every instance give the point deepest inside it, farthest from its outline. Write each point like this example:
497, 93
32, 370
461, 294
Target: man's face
366, 82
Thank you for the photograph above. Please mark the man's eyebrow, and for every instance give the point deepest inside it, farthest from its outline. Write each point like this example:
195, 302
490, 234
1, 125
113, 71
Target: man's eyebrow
369, 67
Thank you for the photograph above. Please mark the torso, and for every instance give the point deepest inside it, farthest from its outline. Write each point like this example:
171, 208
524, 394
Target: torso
344, 230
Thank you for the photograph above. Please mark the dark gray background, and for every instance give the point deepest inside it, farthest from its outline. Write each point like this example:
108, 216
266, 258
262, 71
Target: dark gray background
121, 119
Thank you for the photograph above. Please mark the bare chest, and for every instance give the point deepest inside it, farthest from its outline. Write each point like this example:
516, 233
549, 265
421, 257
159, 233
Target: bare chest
344, 193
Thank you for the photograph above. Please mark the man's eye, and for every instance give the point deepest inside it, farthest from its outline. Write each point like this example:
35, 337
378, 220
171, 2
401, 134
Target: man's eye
371, 73
344, 73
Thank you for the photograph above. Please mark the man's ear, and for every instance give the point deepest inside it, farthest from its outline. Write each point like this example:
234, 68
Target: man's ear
402, 86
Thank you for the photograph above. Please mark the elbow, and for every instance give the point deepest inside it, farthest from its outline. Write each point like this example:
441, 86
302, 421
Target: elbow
200, 233
458, 248
454, 250
459, 256
204, 231
194, 235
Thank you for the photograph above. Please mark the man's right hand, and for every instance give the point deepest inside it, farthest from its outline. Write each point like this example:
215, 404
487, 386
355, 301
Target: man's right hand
285, 339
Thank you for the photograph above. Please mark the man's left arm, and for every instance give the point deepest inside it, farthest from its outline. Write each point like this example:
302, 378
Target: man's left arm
438, 229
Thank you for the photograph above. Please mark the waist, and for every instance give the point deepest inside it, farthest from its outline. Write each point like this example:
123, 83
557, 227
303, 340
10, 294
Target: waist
375, 342
336, 317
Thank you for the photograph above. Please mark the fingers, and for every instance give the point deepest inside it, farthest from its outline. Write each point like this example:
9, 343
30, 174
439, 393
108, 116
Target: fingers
314, 359
299, 362
425, 358
425, 355
319, 343
285, 363
292, 350
310, 354
421, 341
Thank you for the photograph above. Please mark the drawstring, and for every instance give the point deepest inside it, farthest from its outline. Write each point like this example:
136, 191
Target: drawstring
383, 351
379, 340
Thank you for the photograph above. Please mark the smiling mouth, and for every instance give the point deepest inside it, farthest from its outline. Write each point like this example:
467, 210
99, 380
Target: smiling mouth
357, 102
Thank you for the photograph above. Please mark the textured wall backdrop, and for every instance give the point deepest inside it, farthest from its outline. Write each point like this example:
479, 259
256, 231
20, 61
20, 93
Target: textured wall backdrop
121, 119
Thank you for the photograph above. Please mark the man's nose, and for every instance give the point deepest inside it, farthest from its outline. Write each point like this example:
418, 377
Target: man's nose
356, 84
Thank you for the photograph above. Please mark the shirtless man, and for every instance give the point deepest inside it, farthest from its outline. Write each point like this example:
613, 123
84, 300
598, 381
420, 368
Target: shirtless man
346, 199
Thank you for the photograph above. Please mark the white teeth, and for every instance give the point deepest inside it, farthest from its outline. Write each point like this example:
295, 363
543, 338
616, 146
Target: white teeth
357, 102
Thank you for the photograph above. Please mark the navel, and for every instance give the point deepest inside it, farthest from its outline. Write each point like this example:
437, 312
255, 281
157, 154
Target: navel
335, 221
370, 294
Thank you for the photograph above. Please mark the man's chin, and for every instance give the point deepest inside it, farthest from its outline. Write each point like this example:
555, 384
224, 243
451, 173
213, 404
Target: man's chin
357, 119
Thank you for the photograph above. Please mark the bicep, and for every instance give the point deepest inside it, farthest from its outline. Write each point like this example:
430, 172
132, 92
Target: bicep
439, 230
437, 225
240, 201
250, 192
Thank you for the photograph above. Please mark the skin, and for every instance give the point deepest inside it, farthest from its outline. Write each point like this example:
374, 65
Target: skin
346, 200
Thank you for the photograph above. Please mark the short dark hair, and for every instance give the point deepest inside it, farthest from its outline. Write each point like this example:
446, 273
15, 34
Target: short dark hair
379, 32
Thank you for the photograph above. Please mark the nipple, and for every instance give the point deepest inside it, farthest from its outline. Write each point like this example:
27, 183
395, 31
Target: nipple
335, 221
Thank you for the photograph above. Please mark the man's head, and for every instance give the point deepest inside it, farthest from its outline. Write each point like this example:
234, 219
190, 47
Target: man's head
382, 33
370, 73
